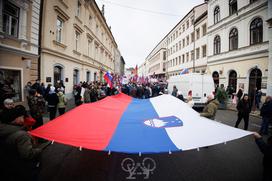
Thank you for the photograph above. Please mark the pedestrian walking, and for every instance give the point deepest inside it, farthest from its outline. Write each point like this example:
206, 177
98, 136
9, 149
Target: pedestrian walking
36, 104
62, 101
266, 149
175, 91
53, 101
190, 101
266, 113
258, 97
211, 107
243, 108
240, 94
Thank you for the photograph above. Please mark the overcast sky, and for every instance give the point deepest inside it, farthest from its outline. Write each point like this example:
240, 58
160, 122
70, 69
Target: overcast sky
139, 25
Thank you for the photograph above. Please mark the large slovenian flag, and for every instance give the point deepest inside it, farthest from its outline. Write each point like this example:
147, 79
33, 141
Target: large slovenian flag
123, 124
108, 79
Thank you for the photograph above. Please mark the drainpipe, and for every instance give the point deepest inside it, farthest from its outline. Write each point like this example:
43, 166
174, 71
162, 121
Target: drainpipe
194, 45
40, 39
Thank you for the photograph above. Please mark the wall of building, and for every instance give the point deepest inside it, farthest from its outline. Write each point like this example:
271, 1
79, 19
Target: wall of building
96, 50
19, 52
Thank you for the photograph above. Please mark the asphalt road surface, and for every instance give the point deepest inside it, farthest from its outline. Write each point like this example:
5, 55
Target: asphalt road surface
238, 160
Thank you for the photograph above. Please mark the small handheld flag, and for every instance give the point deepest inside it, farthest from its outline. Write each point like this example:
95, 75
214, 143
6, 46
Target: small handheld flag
108, 79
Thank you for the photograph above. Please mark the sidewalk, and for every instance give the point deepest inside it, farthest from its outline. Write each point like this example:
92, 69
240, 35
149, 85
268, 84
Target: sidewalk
255, 113
70, 105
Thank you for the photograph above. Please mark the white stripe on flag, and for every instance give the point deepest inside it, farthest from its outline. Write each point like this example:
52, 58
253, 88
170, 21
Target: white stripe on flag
196, 131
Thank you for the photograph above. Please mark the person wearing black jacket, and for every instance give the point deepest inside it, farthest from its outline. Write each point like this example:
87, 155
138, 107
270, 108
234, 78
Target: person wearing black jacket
266, 113
244, 109
53, 101
266, 149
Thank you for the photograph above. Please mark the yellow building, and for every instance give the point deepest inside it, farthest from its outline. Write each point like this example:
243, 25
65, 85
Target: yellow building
19, 42
76, 43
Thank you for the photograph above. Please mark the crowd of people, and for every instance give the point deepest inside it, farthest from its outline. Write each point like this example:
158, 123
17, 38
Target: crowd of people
16, 121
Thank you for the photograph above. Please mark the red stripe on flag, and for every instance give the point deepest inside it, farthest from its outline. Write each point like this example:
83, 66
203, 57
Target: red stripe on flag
89, 126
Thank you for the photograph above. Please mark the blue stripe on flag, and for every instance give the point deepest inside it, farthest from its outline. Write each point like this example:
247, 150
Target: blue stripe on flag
133, 136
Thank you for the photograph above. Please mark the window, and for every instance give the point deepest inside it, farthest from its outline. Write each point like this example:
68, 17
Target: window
77, 40
59, 30
216, 14
88, 76
256, 31
192, 37
90, 19
192, 55
179, 58
183, 27
95, 76
232, 6
197, 53
197, 34
89, 47
176, 60
187, 24
233, 39
252, 1
78, 8
204, 29
183, 43
75, 77
174, 35
192, 20
217, 45
10, 81
176, 47
187, 40
10, 19
183, 58
179, 45
164, 55
204, 49
58, 74
187, 56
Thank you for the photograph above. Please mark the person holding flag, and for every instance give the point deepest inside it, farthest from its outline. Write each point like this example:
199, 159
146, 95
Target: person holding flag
108, 77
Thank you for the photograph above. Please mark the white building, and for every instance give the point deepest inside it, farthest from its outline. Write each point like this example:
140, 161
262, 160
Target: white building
186, 43
155, 62
184, 47
238, 43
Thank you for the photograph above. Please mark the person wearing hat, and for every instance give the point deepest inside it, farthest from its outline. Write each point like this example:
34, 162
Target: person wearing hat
53, 101
180, 96
209, 111
62, 101
244, 109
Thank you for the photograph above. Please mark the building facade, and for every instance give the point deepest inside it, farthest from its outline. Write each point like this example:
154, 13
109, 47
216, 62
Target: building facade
76, 43
269, 76
184, 47
122, 66
19, 42
156, 61
187, 43
238, 44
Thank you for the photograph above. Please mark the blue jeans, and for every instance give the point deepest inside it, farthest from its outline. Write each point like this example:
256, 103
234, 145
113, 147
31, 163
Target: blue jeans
264, 126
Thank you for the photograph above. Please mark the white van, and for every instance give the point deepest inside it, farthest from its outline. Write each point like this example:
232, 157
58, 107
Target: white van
201, 85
